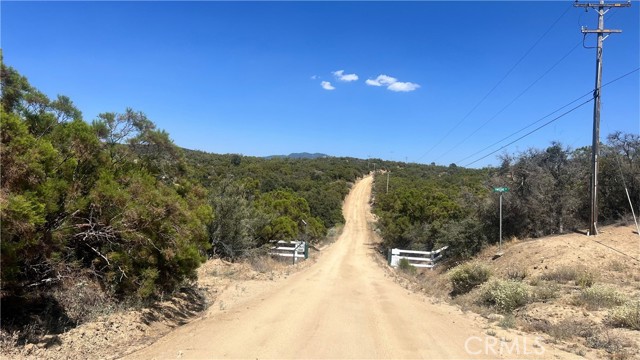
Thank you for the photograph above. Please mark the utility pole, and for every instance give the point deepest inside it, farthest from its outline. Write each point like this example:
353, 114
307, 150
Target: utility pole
501, 190
602, 33
388, 181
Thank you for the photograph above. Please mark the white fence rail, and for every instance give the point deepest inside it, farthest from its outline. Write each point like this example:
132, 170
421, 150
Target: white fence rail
290, 249
422, 259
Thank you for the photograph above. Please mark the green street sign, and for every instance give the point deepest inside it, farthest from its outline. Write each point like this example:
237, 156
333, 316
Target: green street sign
501, 189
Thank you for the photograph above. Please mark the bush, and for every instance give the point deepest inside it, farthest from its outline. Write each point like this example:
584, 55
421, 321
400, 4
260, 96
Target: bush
585, 279
613, 343
545, 291
467, 276
516, 272
504, 295
508, 322
406, 266
625, 316
599, 296
580, 275
568, 328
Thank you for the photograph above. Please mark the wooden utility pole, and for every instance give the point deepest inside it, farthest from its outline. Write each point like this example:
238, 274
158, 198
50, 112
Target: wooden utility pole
388, 181
602, 33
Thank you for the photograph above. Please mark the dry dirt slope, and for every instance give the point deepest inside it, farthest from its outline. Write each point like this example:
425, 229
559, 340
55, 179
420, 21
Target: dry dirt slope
610, 260
344, 306
574, 283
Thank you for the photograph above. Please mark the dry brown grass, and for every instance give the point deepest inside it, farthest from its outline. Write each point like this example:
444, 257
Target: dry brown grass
580, 275
545, 291
599, 296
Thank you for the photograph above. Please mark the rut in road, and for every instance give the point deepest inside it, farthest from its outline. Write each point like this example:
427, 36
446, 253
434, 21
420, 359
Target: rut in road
341, 307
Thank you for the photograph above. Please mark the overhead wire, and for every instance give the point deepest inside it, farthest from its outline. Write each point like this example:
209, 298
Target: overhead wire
548, 122
513, 100
531, 132
526, 127
495, 86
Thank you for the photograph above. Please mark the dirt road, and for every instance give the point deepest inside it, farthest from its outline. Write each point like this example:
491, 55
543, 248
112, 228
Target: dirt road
341, 307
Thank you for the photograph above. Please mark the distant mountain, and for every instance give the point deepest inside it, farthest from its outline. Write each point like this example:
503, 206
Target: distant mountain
302, 155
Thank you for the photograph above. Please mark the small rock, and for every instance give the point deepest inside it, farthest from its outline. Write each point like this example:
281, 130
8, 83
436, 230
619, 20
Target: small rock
29, 348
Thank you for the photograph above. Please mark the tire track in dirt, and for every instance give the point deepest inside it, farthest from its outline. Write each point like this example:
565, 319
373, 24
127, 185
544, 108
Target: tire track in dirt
344, 306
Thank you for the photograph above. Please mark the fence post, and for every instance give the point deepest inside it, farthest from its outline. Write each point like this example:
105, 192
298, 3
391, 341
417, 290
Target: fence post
295, 253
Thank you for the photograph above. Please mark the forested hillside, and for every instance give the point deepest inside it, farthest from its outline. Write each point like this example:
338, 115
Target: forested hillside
257, 200
431, 206
114, 205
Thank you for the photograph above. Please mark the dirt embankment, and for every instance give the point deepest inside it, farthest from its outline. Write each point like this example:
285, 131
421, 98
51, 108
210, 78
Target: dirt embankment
117, 333
582, 292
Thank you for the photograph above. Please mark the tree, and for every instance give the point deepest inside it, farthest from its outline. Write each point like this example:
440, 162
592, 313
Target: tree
236, 223
287, 212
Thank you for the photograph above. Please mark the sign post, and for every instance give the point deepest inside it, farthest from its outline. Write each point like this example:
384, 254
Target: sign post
500, 190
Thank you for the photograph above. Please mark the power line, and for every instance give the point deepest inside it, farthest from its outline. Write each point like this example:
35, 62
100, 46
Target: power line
513, 100
526, 127
531, 132
495, 86
590, 92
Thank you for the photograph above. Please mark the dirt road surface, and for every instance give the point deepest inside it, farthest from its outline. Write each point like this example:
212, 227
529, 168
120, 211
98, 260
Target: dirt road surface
342, 307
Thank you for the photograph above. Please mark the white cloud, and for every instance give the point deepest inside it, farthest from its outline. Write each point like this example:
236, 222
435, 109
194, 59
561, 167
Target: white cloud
340, 75
403, 86
315, 77
381, 80
327, 85
392, 83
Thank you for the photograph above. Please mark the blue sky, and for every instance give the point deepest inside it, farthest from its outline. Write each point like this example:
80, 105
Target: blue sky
246, 77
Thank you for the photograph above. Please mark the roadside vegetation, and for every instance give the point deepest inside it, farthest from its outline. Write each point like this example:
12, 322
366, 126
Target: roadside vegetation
104, 214
430, 206
584, 300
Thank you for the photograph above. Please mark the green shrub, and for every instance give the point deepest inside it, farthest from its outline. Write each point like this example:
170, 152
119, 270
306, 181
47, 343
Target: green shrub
504, 295
467, 276
625, 316
406, 266
598, 297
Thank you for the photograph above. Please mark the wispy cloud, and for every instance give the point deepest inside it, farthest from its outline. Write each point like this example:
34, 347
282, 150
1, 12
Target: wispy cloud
327, 85
314, 77
403, 86
381, 80
392, 83
340, 75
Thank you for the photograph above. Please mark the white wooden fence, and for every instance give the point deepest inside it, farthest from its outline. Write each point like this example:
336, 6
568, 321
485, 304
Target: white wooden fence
290, 249
422, 259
